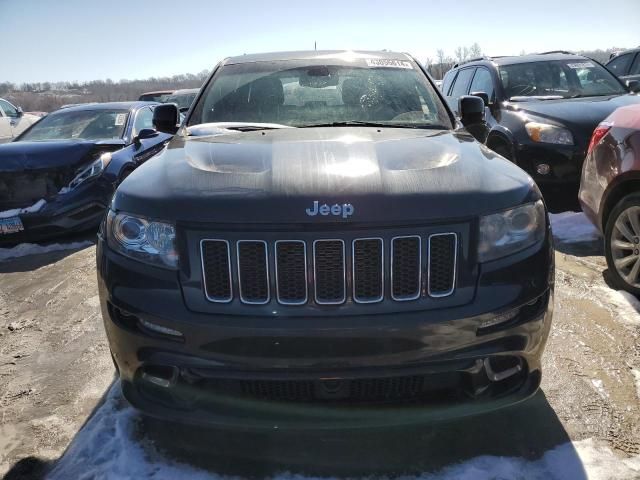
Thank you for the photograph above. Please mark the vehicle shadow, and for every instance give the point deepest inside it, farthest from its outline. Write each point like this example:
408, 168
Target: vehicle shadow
35, 468
527, 430
580, 249
29, 257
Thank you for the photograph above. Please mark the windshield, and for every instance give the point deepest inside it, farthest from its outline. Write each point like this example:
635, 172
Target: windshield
558, 78
80, 125
183, 100
297, 94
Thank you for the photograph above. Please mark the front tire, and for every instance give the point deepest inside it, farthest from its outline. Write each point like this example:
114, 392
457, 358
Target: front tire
622, 244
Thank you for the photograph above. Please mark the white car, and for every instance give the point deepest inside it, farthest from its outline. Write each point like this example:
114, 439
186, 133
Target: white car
13, 121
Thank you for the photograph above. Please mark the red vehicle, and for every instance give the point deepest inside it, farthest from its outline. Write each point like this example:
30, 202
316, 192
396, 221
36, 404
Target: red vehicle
610, 193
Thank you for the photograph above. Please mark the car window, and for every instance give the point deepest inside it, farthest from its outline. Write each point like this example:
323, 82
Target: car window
296, 93
635, 68
79, 124
461, 83
620, 64
183, 100
447, 81
482, 82
144, 119
8, 109
558, 79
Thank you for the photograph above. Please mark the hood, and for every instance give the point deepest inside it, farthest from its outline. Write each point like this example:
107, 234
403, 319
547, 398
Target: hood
581, 115
25, 156
274, 176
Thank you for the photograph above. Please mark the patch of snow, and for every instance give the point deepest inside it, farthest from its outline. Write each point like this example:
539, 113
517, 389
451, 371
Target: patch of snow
18, 211
105, 448
572, 227
25, 249
636, 376
624, 305
599, 386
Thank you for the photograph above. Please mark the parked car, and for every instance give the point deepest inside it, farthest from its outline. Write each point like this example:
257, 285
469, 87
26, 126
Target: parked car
183, 98
541, 109
59, 175
158, 96
13, 121
626, 65
610, 193
320, 233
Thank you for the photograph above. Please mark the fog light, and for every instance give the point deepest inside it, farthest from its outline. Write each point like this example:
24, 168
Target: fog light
543, 169
492, 320
159, 328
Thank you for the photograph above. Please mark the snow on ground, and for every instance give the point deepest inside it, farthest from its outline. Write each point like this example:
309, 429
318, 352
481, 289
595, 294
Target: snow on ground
17, 211
105, 448
623, 305
24, 249
571, 227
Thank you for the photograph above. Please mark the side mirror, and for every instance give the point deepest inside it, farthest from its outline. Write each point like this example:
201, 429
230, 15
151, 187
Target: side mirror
166, 118
19, 112
633, 86
144, 134
471, 110
483, 96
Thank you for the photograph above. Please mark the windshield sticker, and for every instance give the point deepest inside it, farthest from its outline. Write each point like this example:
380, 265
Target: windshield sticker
120, 119
388, 63
578, 66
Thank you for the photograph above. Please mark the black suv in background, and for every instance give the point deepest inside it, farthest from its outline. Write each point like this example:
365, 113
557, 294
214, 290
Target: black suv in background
320, 233
626, 65
541, 109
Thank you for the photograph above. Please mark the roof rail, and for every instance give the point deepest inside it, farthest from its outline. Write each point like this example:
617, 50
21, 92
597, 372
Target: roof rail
477, 59
551, 52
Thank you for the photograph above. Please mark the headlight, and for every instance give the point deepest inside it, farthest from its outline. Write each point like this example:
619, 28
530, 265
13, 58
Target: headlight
508, 232
93, 170
545, 133
141, 239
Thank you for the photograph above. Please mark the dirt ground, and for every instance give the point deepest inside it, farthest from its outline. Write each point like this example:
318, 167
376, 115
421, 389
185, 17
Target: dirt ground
55, 369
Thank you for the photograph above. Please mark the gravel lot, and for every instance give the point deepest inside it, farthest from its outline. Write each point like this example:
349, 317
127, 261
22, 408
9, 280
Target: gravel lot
55, 372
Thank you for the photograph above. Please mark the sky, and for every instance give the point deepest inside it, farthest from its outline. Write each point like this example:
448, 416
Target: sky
80, 40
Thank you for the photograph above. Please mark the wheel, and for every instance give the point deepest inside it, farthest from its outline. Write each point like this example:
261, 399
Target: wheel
622, 244
503, 150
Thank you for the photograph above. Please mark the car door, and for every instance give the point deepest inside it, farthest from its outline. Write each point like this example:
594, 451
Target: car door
483, 82
459, 87
146, 148
634, 71
5, 126
17, 121
620, 65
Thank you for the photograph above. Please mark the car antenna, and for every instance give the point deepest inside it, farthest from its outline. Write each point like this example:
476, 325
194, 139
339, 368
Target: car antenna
315, 45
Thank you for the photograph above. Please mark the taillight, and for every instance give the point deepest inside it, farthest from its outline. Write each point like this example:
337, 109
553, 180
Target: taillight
598, 134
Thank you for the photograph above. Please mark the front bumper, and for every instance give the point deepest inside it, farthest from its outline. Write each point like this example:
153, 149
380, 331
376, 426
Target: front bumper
357, 371
76, 211
565, 163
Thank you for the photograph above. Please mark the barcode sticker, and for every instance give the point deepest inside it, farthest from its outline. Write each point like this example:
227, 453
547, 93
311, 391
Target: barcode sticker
388, 63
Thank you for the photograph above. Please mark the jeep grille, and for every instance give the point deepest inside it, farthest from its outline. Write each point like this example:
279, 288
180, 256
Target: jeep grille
326, 272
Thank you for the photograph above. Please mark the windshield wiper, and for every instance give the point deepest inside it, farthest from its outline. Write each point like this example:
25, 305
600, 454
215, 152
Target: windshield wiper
203, 129
358, 123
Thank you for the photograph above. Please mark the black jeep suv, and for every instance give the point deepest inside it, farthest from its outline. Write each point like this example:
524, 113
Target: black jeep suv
320, 233
541, 109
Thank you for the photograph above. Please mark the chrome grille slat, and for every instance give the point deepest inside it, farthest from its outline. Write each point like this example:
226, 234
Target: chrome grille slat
253, 272
291, 273
367, 265
406, 268
442, 264
216, 270
329, 276
242, 270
